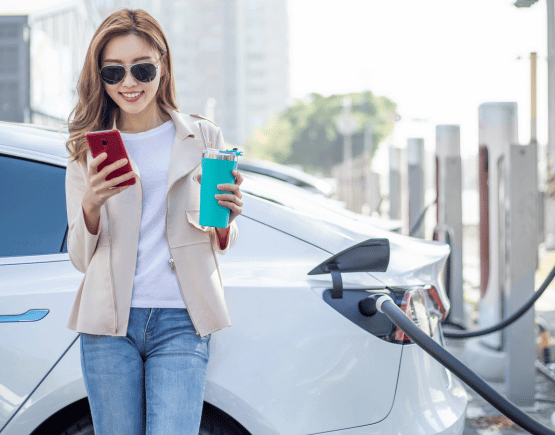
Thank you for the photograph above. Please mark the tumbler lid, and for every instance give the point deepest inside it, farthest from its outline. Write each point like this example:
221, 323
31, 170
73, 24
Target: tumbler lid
213, 153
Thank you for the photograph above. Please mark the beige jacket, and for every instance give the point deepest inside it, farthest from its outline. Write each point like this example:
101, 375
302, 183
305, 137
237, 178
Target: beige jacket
109, 258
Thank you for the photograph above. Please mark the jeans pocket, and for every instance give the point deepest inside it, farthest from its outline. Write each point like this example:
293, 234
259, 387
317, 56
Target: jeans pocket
209, 336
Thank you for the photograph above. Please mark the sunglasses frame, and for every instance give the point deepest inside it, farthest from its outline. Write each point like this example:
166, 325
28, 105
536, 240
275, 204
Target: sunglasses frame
127, 67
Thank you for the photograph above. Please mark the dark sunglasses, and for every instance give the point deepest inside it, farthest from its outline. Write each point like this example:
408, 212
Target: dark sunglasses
143, 72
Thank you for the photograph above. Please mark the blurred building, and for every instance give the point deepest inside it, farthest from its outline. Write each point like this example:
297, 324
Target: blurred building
14, 69
231, 60
59, 38
231, 57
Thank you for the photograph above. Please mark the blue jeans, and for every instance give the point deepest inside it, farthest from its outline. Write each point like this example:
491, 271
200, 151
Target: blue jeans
151, 381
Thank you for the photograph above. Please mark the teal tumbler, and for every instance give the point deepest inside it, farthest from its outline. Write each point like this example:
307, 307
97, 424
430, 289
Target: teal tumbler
216, 169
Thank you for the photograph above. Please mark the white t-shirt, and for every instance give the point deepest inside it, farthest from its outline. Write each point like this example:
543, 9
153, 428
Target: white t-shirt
155, 284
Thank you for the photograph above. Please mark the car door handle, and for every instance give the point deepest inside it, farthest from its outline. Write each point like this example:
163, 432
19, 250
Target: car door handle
29, 316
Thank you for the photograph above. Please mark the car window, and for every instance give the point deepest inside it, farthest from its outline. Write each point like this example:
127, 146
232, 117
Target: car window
33, 217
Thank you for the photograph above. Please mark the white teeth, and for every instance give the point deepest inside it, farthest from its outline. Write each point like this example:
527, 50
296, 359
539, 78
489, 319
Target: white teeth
133, 95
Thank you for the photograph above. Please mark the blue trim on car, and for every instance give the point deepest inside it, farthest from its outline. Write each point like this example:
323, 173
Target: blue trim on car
29, 316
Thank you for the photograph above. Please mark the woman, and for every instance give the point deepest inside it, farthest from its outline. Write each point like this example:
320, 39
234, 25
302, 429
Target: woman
152, 291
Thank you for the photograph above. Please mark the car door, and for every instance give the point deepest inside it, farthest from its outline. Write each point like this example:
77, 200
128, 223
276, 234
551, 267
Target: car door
37, 280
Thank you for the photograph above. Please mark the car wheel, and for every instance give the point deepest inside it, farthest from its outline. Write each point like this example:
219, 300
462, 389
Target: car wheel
84, 426
215, 423
210, 425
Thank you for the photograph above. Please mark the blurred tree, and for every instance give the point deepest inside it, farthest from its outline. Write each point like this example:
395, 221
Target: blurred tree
305, 133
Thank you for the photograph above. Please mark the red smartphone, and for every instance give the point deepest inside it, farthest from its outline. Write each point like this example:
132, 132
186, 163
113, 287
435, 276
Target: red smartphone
109, 141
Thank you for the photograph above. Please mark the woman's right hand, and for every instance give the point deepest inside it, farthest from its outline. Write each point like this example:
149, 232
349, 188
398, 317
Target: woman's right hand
100, 189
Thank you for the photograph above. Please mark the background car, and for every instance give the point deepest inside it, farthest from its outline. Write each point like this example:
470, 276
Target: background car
319, 206
295, 360
288, 174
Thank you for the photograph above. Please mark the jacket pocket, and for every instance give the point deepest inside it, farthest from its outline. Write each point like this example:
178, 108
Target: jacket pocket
97, 308
193, 219
186, 230
201, 285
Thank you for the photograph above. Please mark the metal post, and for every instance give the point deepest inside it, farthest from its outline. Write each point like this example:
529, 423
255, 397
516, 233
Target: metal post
368, 140
533, 98
448, 152
550, 197
415, 161
347, 125
371, 190
497, 132
534, 141
521, 266
394, 182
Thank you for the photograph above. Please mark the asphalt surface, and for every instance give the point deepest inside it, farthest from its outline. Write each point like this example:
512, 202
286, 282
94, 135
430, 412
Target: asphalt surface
481, 417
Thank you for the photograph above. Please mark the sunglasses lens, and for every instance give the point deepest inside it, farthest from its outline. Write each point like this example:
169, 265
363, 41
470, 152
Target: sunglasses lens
112, 74
144, 72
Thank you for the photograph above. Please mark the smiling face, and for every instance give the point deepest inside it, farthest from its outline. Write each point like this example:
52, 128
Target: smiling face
134, 98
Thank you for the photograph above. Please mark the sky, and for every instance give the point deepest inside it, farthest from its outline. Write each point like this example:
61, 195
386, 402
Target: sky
437, 59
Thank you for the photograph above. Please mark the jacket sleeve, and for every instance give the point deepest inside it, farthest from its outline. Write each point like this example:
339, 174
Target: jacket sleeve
81, 244
217, 139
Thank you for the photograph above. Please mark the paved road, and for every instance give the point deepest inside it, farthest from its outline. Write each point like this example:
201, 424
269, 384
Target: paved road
481, 417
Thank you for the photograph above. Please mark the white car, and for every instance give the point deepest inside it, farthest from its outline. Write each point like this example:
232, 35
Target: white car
296, 360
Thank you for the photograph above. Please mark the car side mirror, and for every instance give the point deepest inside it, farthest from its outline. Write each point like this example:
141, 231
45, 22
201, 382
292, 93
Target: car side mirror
369, 256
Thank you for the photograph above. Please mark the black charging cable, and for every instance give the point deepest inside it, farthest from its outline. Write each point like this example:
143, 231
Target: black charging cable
420, 219
385, 305
514, 317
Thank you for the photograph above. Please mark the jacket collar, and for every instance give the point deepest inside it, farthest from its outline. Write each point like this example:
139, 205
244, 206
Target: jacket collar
186, 151
184, 127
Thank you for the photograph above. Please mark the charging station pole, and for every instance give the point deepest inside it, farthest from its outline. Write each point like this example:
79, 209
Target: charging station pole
394, 182
415, 161
522, 227
449, 216
497, 131
508, 231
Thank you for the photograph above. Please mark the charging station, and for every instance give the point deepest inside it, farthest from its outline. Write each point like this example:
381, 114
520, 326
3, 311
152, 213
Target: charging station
394, 182
508, 228
415, 176
449, 227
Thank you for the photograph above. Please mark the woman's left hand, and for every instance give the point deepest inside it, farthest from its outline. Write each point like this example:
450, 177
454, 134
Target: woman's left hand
232, 200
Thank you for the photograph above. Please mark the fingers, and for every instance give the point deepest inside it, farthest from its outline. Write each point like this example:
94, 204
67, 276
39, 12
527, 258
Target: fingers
235, 208
115, 190
233, 188
115, 181
112, 167
231, 200
95, 162
238, 177
93, 166
228, 197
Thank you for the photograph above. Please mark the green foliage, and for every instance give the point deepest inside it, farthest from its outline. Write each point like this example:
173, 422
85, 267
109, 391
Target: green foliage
305, 133
273, 142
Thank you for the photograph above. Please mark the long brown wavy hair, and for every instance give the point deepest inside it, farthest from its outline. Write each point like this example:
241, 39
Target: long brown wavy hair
95, 110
